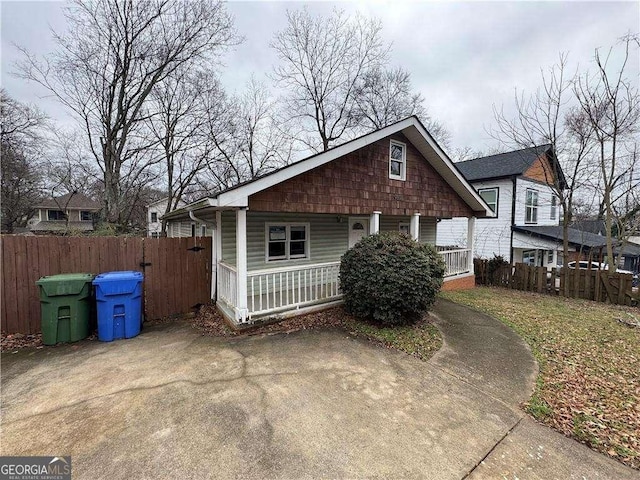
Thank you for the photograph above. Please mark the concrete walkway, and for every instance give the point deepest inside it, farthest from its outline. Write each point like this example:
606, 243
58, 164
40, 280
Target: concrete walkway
173, 404
483, 352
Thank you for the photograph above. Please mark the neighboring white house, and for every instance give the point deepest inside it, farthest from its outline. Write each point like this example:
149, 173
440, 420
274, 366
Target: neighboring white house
518, 187
155, 211
278, 239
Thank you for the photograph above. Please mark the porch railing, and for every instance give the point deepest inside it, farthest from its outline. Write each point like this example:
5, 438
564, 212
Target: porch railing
292, 287
456, 261
227, 284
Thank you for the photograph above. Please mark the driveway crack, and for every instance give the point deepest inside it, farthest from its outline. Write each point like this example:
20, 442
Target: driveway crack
492, 449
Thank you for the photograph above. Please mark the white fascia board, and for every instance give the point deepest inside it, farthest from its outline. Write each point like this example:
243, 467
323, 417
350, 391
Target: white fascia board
240, 195
411, 127
184, 211
448, 171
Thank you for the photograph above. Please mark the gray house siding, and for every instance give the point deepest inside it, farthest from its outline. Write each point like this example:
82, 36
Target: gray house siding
328, 236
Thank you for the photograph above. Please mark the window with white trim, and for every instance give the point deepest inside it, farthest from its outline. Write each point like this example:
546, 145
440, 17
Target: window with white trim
397, 160
531, 206
404, 228
287, 241
490, 197
529, 257
550, 256
154, 217
554, 207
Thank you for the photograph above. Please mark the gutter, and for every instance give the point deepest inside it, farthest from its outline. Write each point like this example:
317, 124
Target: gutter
199, 220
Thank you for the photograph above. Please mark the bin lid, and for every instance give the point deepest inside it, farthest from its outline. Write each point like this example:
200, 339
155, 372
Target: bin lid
118, 276
64, 284
117, 283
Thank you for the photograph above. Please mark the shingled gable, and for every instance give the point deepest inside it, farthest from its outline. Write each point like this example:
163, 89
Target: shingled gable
353, 178
536, 163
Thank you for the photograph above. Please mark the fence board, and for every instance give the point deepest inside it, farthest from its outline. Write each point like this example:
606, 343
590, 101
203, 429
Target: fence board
176, 280
588, 284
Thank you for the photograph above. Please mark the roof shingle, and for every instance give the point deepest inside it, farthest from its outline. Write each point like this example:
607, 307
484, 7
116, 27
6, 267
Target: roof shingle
502, 164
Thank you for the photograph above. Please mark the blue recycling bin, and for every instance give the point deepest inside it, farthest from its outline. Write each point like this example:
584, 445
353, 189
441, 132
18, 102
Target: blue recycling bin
119, 304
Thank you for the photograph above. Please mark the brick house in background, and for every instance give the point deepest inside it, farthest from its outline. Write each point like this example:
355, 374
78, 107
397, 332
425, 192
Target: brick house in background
278, 239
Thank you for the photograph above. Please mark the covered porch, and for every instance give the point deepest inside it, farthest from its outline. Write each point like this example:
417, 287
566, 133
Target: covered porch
249, 288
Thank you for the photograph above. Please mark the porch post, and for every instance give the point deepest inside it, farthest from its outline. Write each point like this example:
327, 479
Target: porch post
217, 256
374, 224
241, 264
414, 227
470, 236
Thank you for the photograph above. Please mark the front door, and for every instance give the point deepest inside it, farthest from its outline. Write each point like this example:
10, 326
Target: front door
358, 228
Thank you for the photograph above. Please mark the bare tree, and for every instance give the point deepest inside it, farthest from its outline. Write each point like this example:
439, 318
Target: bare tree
321, 62
249, 141
21, 143
547, 118
21, 188
264, 146
384, 96
609, 103
177, 125
105, 68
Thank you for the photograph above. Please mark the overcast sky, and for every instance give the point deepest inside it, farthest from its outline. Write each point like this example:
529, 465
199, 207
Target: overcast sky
464, 57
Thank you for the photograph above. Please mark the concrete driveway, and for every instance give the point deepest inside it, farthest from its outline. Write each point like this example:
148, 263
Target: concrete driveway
316, 404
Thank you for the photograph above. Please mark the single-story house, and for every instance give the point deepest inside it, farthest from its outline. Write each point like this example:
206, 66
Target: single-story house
278, 238
70, 212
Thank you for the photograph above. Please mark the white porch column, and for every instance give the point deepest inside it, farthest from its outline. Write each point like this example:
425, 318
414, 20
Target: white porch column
217, 254
471, 226
241, 265
414, 227
374, 223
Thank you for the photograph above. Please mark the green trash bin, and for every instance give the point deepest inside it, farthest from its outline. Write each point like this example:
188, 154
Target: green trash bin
66, 302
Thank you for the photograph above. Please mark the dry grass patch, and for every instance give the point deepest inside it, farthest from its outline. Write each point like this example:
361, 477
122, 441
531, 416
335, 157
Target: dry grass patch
589, 382
421, 339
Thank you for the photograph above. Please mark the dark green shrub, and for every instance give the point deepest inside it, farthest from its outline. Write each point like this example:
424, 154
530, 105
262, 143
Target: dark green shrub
390, 278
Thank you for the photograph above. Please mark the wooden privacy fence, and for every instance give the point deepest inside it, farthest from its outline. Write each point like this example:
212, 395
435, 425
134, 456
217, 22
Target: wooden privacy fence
597, 285
177, 271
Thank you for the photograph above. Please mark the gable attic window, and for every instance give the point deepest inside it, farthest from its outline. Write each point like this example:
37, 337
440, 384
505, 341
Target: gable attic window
490, 196
397, 160
554, 207
154, 217
287, 241
56, 215
531, 206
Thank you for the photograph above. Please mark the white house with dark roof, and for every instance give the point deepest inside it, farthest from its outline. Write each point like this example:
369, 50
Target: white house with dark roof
278, 239
518, 186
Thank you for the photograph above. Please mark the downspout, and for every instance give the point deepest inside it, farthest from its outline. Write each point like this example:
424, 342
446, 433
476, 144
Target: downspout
513, 217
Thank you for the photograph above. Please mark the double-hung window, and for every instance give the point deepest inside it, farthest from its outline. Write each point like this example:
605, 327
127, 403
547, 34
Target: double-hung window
154, 217
287, 241
490, 197
531, 206
397, 161
554, 207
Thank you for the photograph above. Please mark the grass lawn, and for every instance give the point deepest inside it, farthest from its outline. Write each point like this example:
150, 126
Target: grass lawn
589, 382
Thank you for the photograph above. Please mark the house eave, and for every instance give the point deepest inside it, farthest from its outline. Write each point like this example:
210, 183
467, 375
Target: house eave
410, 127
